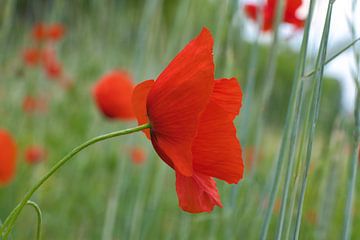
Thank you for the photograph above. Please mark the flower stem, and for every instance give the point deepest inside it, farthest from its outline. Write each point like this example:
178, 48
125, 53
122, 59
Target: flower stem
10, 220
39, 218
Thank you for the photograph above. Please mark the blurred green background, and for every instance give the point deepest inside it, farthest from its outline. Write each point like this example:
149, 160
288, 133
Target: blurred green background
101, 194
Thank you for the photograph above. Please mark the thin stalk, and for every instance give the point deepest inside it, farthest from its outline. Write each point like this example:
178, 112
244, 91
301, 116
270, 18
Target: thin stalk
288, 124
112, 205
250, 80
291, 161
333, 57
314, 113
269, 82
39, 218
351, 193
10, 220
356, 144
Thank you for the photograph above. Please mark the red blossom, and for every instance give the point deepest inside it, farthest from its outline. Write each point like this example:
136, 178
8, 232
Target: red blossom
7, 157
34, 154
42, 32
55, 31
52, 67
138, 155
31, 56
112, 94
269, 11
39, 32
32, 104
191, 116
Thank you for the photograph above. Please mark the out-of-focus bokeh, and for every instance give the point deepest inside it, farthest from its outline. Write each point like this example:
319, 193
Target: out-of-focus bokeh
53, 54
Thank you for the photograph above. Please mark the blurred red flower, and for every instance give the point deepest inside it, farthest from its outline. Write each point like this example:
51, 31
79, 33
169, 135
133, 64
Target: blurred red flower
112, 94
42, 32
55, 31
32, 104
269, 11
191, 116
34, 154
7, 157
52, 66
53, 69
138, 155
39, 32
31, 56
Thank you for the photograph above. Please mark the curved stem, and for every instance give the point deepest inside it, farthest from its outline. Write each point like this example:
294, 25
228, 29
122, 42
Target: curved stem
39, 218
9, 222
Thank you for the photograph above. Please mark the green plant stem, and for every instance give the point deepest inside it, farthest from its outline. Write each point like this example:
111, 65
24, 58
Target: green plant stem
314, 112
288, 124
333, 57
9, 222
354, 161
39, 218
291, 161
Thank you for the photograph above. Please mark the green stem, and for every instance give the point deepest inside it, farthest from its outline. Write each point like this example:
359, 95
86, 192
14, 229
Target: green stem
9, 222
314, 113
333, 57
353, 164
39, 218
289, 124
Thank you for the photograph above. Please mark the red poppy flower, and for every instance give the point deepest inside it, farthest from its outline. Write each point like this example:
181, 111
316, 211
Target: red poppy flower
31, 56
269, 11
7, 157
55, 31
32, 104
34, 154
52, 66
39, 32
53, 69
112, 94
138, 155
191, 116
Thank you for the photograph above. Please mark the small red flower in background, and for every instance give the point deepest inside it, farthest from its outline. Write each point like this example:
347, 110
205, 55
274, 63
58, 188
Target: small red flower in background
52, 67
138, 155
42, 32
31, 56
269, 12
112, 94
39, 32
55, 31
191, 116
34, 154
7, 157
32, 104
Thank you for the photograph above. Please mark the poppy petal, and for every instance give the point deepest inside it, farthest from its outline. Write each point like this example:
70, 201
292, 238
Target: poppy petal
7, 157
216, 149
251, 10
227, 94
178, 97
139, 98
293, 5
197, 193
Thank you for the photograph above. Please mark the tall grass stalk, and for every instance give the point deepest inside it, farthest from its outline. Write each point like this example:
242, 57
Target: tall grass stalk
113, 202
314, 112
353, 164
289, 123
